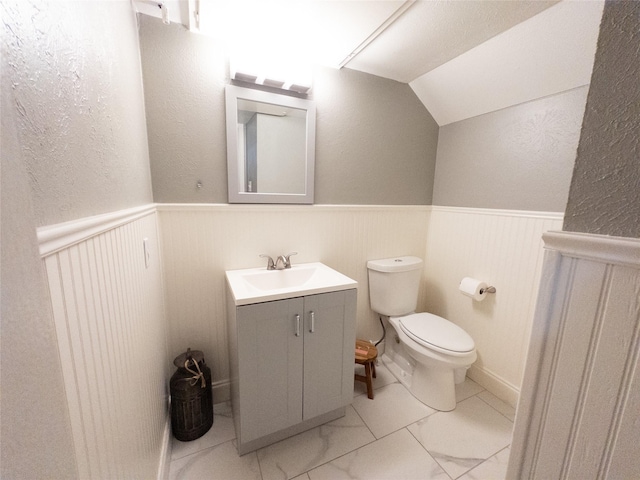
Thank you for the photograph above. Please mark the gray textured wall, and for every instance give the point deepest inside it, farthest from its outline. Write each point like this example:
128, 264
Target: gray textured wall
77, 84
35, 429
605, 188
518, 158
375, 141
73, 144
184, 77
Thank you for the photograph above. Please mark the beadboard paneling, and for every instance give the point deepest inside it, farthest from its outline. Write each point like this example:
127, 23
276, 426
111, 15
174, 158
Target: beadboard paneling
109, 318
504, 249
578, 415
200, 242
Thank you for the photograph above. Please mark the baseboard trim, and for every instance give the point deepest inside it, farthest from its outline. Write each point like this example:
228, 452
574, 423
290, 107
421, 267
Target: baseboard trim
494, 384
221, 391
164, 463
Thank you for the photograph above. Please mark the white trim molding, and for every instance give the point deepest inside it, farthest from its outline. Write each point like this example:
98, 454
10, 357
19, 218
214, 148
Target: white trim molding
500, 212
275, 208
54, 238
613, 250
577, 416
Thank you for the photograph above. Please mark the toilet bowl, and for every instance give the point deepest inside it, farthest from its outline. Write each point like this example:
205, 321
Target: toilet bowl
437, 357
431, 354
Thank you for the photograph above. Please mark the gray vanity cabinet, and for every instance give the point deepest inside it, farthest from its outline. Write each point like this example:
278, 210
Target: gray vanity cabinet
328, 352
269, 367
291, 365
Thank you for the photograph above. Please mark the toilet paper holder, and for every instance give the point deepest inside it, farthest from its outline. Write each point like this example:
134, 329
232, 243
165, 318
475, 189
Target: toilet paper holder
474, 288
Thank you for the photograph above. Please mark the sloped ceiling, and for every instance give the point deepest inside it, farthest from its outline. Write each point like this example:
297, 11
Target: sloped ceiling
431, 33
549, 53
462, 58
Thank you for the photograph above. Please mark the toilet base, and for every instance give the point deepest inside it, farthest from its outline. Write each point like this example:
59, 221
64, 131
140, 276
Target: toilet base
434, 387
429, 376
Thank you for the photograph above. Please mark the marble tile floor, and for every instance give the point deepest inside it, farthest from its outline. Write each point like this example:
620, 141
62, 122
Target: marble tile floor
393, 436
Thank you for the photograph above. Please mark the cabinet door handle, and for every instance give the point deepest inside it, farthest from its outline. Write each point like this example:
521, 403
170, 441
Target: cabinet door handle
313, 322
297, 325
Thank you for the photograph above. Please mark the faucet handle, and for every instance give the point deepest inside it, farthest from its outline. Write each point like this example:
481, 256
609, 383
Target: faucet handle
270, 263
287, 263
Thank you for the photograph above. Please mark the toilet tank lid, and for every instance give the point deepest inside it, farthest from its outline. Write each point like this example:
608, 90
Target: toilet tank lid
395, 264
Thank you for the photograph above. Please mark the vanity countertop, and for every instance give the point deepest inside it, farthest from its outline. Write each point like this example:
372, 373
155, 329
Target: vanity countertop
257, 285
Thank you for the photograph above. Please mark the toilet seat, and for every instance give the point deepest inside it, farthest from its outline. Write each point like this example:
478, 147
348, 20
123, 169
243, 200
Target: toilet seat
436, 333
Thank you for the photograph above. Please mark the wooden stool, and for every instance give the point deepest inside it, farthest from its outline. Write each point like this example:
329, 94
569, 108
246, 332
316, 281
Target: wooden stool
366, 354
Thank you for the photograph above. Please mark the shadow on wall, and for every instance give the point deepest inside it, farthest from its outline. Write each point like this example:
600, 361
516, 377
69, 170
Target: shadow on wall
431, 294
484, 307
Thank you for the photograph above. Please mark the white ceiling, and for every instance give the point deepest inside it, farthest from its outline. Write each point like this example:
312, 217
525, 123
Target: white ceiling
406, 40
549, 53
431, 33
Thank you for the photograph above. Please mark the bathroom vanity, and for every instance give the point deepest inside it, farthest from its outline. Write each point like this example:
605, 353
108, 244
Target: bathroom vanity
291, 343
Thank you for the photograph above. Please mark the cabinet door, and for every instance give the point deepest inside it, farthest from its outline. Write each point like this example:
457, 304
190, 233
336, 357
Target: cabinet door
328, 351
270, 367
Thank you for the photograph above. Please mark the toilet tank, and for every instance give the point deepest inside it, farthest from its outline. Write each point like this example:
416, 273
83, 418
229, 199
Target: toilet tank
393, 285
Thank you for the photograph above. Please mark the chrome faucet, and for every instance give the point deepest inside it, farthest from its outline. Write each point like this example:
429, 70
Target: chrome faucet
270, 264
282, 262
287, 260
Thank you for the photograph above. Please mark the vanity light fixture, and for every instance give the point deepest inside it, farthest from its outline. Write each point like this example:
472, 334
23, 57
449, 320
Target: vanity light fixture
295, 77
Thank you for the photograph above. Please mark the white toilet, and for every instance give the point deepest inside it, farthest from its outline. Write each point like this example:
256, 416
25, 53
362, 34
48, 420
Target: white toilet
429, 355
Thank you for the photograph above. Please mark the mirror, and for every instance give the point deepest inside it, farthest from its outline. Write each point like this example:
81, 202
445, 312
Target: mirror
270, 147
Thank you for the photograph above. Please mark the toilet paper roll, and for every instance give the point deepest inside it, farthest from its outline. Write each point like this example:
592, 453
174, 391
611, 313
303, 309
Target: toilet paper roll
473, 288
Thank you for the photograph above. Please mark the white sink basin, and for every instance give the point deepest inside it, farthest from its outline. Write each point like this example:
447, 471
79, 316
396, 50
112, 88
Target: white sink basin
267, 280
254, 285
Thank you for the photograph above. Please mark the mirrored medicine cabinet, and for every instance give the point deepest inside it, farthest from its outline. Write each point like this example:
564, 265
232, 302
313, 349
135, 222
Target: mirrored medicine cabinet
270, 147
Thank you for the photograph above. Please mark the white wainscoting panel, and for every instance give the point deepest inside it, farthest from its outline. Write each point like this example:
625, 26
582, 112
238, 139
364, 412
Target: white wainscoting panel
200, 242
503, 248
109, 316
578, 413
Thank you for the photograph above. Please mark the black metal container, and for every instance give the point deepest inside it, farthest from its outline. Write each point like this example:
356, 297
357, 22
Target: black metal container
191, 396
